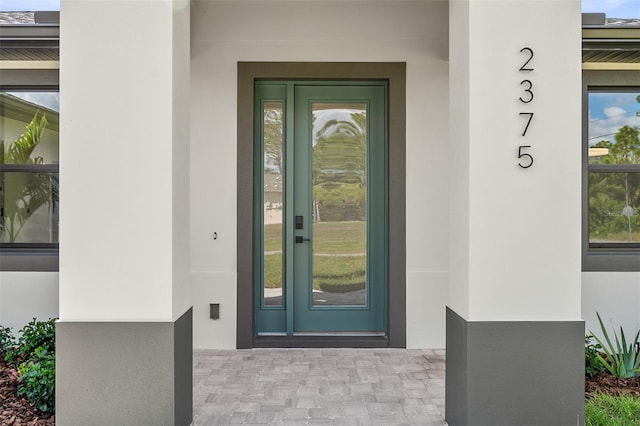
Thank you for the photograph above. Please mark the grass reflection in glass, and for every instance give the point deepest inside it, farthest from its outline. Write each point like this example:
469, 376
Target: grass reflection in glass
339, 261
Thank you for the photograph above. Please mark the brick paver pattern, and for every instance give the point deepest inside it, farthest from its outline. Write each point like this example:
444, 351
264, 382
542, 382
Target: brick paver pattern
319, 386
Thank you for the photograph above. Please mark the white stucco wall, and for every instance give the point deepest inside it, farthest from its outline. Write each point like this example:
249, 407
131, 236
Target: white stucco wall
27, 295
224, 33
616, 297
124, 142
515, 253
180, 191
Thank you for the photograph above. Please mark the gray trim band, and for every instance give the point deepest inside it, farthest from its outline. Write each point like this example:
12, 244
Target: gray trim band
43, 260
125, 373
514, 372
29, 78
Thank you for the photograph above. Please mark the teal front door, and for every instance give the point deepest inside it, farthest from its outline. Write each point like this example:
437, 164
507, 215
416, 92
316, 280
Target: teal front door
321, 208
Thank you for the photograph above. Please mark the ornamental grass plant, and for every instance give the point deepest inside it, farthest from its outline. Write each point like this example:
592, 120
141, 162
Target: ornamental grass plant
621, 359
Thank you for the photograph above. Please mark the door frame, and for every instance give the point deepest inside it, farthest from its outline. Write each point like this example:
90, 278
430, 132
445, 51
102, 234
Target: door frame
395, 74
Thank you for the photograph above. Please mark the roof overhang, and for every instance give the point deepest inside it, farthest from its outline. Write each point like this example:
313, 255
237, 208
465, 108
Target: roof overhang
611, 48
37, 46
29, 43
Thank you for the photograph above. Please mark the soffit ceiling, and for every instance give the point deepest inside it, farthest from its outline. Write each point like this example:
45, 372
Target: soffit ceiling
31, 42
611, 44
29, 54
628, 56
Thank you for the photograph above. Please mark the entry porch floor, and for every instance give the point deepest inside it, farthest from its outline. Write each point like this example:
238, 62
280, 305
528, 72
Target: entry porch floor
319, 386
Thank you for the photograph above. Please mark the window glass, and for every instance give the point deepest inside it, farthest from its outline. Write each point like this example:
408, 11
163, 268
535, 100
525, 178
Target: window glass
29, 158
614, 118
272, 139
614, 168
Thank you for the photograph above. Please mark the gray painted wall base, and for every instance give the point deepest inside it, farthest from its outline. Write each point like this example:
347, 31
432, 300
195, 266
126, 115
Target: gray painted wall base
124, 373
514, 373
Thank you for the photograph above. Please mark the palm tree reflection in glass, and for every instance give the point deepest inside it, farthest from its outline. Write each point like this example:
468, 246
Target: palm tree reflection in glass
25, 192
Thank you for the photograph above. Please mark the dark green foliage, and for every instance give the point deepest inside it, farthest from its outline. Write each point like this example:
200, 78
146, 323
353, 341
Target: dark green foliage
593, 366
34, 355
7, 340
33, 335
37, 380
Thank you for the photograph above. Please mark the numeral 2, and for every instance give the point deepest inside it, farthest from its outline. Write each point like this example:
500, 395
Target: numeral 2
524, 66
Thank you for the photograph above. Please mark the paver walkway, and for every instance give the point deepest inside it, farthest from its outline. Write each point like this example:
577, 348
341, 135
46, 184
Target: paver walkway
319, 386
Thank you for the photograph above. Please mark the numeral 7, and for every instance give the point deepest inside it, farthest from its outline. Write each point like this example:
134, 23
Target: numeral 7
530, 114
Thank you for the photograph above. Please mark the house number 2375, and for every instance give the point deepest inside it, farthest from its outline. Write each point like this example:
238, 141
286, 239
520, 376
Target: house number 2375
526, 97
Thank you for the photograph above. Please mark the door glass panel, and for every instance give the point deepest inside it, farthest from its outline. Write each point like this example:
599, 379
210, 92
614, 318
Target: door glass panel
272, 116
339, 205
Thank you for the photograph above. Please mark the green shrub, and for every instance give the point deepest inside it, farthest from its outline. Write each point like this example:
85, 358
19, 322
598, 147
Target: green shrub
7, 340
34, 355
38, 334
592, 364
37, 379
621, 360
609, 410
34, 335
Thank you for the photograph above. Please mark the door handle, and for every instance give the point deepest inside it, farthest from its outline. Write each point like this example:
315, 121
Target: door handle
300, 239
